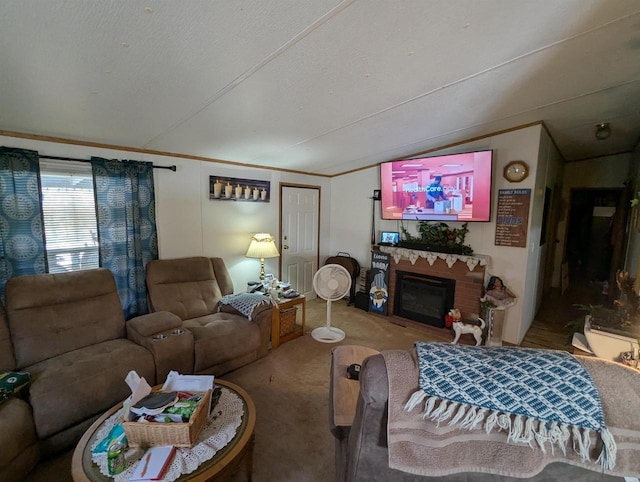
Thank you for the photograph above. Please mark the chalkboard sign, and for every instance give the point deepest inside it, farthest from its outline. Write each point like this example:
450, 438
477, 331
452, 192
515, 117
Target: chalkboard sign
513, 217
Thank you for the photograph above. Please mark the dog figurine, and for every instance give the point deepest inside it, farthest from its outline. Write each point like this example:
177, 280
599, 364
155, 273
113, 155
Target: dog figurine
461, 328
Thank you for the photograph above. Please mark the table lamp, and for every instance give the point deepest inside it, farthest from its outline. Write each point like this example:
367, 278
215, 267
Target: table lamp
262, 246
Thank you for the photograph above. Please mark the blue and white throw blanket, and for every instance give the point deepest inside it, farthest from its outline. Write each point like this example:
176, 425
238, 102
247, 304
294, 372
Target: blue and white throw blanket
539, 396
245, 303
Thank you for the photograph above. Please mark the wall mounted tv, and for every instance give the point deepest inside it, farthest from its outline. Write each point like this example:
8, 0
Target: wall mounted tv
455, 187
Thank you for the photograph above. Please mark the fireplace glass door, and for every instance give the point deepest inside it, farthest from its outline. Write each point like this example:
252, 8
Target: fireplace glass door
422, 298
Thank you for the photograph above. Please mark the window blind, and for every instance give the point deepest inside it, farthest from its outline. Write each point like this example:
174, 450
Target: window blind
68, 203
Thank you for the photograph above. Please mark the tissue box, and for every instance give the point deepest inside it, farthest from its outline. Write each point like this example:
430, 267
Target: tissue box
150, 434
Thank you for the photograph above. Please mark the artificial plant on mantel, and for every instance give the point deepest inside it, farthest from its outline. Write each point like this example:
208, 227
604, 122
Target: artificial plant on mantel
438, 237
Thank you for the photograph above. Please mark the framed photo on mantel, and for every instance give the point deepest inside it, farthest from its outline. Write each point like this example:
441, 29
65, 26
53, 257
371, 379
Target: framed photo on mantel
238, 189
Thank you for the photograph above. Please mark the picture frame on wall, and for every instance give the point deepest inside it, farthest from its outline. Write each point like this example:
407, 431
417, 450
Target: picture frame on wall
239, 189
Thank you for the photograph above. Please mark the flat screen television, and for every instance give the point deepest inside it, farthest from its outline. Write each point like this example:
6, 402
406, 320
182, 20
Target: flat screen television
454, 187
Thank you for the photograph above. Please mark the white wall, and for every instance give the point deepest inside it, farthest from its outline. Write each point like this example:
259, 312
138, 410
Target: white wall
351, 214
189, 224
548, 175
516, 266
351, 221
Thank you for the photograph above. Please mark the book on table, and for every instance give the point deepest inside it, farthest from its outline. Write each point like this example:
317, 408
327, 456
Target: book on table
154, 463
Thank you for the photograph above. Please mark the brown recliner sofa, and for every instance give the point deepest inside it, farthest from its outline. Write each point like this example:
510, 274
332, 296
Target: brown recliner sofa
191, 289
68, 331
19, 450
358, 421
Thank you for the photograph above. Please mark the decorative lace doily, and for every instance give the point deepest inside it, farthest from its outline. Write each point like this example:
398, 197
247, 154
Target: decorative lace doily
431, 257
215, 435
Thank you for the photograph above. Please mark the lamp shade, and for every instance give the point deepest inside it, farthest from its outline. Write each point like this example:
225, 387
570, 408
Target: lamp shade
262, 246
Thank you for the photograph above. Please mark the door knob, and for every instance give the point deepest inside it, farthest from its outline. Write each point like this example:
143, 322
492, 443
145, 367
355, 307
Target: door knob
286, 246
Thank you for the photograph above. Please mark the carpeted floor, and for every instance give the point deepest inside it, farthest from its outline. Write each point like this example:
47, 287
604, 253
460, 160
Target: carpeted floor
290, 388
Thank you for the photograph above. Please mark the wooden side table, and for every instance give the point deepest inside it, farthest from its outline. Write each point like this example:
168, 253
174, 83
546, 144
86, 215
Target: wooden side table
281, 305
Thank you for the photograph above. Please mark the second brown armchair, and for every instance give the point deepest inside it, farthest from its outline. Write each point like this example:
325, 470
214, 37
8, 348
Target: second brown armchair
191, 288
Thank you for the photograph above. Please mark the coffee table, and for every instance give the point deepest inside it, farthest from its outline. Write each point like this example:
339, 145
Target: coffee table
223, 464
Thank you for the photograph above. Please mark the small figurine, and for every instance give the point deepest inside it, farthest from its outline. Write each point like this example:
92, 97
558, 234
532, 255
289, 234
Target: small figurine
628, 358
498, 293
453, 319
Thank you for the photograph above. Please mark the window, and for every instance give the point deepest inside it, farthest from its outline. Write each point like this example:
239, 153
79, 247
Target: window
68, 204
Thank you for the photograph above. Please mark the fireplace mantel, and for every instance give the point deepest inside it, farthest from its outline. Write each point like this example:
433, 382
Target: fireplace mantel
431, 256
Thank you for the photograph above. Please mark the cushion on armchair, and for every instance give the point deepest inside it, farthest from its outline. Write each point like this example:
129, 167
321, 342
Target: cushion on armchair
52, 314
186, 287
221, 337
77, 385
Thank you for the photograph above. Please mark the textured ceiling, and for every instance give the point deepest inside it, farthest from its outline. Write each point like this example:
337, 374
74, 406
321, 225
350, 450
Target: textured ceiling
320, 86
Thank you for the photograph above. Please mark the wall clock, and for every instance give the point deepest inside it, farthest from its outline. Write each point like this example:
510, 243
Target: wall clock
516, 171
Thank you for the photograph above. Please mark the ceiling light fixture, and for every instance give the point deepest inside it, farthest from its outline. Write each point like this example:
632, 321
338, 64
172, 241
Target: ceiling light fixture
603, 131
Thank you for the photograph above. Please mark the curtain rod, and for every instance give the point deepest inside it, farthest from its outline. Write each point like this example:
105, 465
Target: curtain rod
172, 168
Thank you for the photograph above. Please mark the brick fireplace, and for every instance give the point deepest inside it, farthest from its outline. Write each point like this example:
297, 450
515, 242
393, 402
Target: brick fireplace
423, 298
468, 282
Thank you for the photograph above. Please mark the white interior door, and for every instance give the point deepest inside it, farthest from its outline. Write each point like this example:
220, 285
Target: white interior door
299, 232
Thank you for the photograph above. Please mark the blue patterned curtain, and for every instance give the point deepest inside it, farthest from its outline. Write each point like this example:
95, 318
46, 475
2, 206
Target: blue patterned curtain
21, 222
125, 206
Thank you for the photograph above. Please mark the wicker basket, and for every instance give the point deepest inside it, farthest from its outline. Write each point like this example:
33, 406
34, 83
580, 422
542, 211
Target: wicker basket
288, 320
178, 434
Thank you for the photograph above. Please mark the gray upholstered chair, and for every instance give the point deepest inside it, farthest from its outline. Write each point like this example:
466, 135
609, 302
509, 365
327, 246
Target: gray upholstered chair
358, 421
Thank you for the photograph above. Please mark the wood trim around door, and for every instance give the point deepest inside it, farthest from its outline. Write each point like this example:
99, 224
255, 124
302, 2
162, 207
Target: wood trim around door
304, 186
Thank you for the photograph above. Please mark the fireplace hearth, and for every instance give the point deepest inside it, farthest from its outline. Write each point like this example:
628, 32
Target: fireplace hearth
423, 298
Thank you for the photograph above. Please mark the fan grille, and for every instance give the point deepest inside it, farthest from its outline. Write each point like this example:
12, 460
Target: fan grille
332, 282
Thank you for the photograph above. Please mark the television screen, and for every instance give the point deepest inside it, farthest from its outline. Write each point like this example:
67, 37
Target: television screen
455, 187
